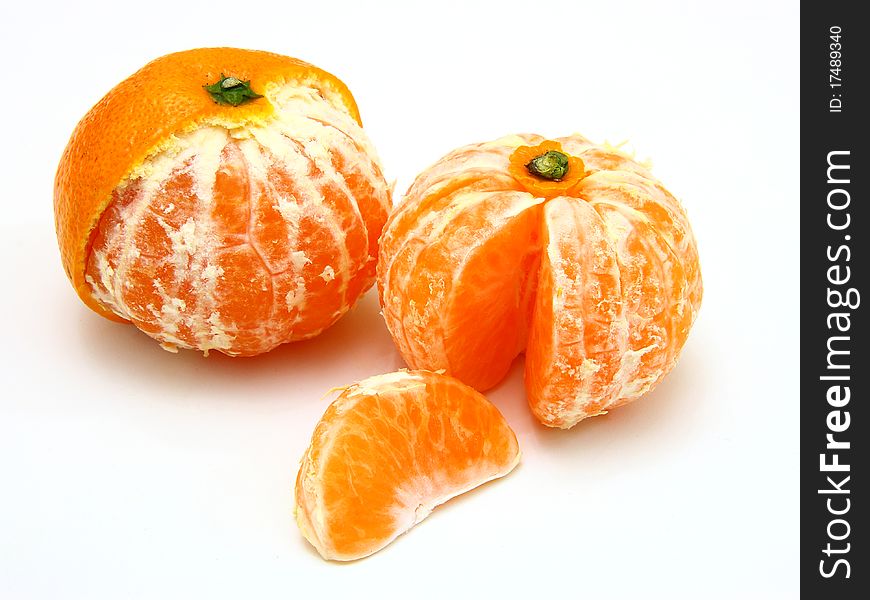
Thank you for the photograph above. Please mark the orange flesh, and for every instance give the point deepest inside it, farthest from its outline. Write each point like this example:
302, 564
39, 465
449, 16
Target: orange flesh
389, 450
492, 302
603, 263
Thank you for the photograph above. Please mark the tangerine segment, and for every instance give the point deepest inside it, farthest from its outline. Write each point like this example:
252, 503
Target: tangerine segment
389, 450
240, 241
459, 295
656, 299
579, 328
612, 314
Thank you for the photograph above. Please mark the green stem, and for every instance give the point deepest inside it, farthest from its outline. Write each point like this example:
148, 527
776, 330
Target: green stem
231, 91
552, 165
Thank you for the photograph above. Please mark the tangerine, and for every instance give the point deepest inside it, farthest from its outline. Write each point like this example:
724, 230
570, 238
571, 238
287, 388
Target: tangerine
222, 199
566, 250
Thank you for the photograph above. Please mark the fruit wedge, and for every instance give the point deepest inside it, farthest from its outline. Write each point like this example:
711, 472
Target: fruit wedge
390, 449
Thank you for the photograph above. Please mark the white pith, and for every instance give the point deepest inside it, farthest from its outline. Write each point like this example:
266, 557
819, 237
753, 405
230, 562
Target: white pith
304, 126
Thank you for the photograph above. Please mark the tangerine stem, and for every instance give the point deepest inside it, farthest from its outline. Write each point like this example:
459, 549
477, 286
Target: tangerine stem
551, 165
231, 91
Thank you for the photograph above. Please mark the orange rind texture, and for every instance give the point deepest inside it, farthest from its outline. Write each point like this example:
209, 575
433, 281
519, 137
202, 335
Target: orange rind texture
235, 228
387, 451
596, 278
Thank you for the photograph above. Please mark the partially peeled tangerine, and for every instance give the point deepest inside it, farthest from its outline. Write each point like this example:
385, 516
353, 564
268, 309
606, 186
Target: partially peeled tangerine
222, 199
570, 252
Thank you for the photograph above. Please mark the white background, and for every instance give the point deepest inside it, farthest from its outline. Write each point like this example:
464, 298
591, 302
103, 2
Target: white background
129, 472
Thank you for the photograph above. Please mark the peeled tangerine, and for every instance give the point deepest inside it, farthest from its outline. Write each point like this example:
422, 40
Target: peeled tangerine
222, 199
568, 251
390, 449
